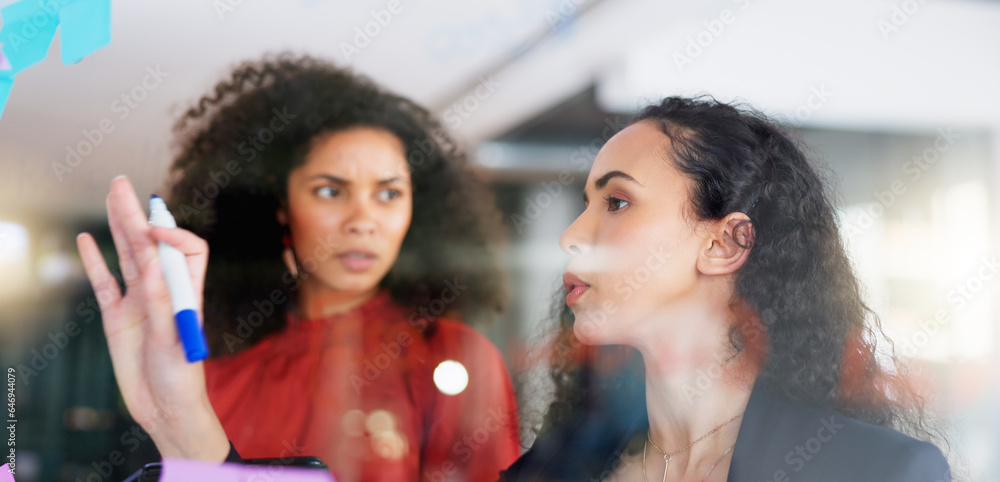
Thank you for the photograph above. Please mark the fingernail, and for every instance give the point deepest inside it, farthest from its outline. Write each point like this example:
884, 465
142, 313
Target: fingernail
120, 176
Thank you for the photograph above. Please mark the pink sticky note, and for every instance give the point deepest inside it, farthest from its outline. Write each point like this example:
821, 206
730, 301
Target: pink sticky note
5, 475
180, 470
4, 63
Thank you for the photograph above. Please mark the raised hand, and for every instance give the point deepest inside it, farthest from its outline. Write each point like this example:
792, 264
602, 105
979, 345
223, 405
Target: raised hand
164, 393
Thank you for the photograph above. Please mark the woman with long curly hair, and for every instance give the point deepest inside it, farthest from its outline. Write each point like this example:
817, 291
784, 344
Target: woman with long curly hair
709, 247
339, 235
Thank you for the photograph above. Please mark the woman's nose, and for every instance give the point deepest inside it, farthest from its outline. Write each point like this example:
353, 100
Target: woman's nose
362, 220
573, 241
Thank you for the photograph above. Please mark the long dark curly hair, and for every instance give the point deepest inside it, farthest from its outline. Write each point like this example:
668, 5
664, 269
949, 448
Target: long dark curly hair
797, 284
236, 149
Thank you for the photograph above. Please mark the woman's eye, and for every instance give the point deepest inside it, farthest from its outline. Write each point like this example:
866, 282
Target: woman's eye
327, 191
389, 194
614, 204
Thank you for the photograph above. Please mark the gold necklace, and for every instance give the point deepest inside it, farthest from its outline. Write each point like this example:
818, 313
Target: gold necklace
730, 449
669, 455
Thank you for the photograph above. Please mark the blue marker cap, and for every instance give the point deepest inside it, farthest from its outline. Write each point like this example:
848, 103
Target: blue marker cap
193, 339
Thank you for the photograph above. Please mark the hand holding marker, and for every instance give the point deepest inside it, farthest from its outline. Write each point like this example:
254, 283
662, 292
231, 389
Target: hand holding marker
182, 297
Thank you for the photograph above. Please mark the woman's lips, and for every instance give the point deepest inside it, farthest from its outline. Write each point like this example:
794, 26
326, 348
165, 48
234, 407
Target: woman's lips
575, 294
575, 286
357, 261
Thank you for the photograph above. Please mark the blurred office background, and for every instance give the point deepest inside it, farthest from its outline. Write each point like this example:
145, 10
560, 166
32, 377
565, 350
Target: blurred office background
899, 98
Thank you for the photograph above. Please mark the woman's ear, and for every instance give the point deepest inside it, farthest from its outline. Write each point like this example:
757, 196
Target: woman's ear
282, 216
727, 245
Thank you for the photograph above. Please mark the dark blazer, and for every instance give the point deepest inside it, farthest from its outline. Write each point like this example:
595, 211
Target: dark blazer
778, 441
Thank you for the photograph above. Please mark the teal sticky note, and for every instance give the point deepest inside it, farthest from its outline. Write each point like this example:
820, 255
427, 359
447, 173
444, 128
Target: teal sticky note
5, 84
86, 27
28, 29
30, 25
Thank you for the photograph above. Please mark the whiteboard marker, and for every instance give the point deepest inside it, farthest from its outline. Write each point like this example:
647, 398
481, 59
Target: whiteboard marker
175, 270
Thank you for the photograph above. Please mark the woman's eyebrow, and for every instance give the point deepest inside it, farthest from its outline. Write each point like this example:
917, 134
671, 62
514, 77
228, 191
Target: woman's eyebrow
333, 179
603, 181
337, 180
390, 180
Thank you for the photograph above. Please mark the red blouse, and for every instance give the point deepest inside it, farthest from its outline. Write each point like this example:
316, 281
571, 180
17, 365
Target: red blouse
366, 391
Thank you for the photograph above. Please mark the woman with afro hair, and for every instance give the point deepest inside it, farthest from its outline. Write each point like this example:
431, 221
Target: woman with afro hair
340, 236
